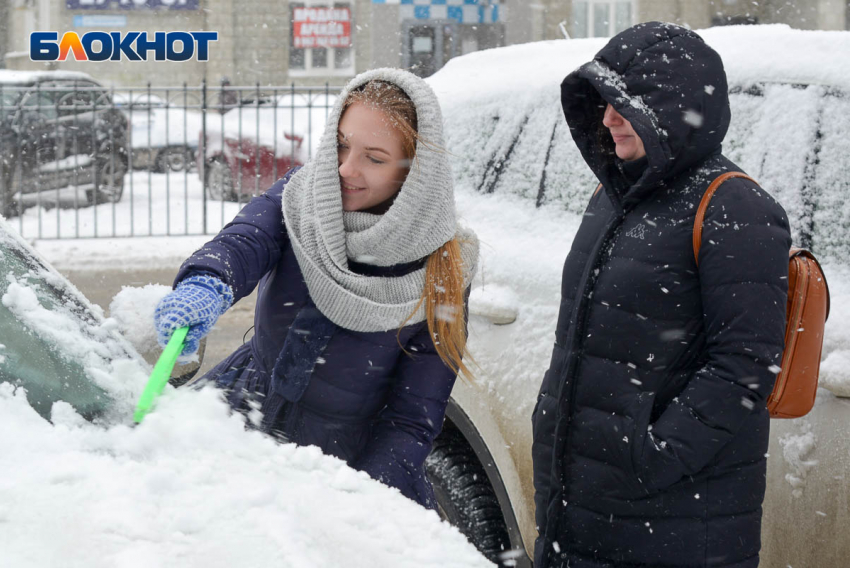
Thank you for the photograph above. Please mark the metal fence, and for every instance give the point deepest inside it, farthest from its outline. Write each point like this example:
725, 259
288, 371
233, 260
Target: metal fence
79, 161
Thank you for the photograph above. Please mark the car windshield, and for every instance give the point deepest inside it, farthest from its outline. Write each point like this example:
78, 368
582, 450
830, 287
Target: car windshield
31, 358
9, 99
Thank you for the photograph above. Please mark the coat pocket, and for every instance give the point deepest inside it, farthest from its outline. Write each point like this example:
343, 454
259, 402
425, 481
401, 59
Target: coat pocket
604, 444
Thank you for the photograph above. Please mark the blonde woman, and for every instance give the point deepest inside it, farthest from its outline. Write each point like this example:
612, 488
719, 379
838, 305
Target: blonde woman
360, 322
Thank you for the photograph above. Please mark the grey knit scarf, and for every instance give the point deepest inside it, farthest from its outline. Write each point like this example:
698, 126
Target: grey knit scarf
421, 219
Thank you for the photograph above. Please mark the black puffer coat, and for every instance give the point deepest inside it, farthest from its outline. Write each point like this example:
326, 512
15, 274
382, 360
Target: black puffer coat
650, 430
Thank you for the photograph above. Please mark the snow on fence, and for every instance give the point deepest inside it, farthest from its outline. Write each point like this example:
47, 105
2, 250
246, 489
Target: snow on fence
78, 160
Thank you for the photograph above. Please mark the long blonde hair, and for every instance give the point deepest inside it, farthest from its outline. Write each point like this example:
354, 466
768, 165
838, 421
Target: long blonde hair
444, 291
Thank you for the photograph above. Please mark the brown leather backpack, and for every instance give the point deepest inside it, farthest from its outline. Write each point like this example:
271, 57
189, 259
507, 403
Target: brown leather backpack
808, 309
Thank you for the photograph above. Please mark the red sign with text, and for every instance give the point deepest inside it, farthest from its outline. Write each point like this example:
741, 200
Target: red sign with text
321, 27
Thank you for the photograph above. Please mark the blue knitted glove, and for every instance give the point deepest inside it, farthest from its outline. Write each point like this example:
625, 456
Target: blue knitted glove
197, 301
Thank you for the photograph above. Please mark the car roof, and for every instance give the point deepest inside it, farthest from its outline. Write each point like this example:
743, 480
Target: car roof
751, 54
25, 78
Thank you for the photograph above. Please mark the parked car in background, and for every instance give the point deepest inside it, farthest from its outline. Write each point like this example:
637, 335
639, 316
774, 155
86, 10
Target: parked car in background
163, 133
523, 186
251, 146
59, 133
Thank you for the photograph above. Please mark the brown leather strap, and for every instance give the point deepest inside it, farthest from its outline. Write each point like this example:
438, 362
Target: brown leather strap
703, 206
598, 187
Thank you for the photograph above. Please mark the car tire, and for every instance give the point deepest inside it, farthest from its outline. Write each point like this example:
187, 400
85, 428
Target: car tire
174, 159
110, 181
464, 495
219, 181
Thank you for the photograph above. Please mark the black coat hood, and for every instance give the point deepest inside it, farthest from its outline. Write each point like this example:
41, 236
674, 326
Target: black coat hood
669, 85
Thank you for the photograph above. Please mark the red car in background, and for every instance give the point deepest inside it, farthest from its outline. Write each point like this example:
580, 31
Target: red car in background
254, 144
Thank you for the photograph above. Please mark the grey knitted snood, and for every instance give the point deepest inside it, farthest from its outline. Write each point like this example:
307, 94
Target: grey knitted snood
421, 219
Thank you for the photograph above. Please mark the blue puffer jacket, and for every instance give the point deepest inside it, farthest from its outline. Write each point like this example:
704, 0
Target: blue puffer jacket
650, 430
355, 395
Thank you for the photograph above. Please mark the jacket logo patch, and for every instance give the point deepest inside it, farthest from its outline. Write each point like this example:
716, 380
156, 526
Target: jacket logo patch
637, 232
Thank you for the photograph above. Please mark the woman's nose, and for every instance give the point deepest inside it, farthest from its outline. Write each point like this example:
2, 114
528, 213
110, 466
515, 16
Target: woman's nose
346, 165
611, 117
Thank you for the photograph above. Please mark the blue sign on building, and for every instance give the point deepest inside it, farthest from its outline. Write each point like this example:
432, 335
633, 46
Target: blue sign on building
101, 21
460, 11
131, 4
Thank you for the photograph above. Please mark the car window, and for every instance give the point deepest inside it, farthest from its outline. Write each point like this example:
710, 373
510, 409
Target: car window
526, 149
9, 99
73, 102
40, 104
30, 360
831, 179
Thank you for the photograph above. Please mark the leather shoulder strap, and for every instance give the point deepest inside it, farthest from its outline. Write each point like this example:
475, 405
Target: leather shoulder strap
703, 207
598, 187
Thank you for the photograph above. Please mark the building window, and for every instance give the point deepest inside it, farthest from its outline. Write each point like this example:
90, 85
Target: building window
601, 18
321, 38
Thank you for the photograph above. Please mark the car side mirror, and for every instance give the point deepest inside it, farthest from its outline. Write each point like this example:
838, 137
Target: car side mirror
498, 304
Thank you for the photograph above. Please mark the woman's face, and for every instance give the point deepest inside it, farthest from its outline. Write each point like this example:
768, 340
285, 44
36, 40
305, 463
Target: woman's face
629, 146
372, 164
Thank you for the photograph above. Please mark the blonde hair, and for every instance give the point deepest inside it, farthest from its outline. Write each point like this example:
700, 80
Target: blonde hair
444, 290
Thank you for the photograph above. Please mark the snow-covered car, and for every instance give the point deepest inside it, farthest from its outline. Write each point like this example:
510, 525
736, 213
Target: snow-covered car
163, 133
251, 146
190, 485
59, 133
523, 186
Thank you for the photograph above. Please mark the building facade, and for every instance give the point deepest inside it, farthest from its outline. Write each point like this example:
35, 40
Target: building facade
315, 42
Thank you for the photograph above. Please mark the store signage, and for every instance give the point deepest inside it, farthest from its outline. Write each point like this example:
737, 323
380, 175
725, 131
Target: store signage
321, 27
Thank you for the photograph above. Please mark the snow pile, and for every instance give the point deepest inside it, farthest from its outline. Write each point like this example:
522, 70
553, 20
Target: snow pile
796, 449
191, 487
133, 308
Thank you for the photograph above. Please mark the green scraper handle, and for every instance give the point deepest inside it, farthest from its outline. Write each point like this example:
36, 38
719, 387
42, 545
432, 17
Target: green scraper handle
161, 373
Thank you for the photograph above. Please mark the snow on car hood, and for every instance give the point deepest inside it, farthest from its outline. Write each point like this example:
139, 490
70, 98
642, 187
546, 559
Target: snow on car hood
191, 487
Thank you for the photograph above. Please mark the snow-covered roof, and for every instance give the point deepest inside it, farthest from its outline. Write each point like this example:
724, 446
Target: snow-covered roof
8, 77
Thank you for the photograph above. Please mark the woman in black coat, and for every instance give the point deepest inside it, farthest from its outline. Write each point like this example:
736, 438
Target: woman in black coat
360, 325
650, 430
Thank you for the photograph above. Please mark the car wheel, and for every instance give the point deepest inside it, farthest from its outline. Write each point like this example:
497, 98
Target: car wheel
464, 495
174, 159
110, 182
219, 181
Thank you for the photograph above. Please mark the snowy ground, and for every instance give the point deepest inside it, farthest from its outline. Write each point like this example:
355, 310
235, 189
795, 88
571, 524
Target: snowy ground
152, 204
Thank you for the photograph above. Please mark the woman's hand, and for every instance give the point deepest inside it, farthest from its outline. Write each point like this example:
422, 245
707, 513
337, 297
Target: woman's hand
197, 302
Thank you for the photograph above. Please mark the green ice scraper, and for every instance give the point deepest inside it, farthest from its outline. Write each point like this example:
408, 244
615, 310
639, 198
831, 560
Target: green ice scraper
161, 373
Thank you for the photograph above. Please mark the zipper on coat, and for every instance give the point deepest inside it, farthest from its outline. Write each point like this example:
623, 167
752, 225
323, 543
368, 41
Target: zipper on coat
602, 251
